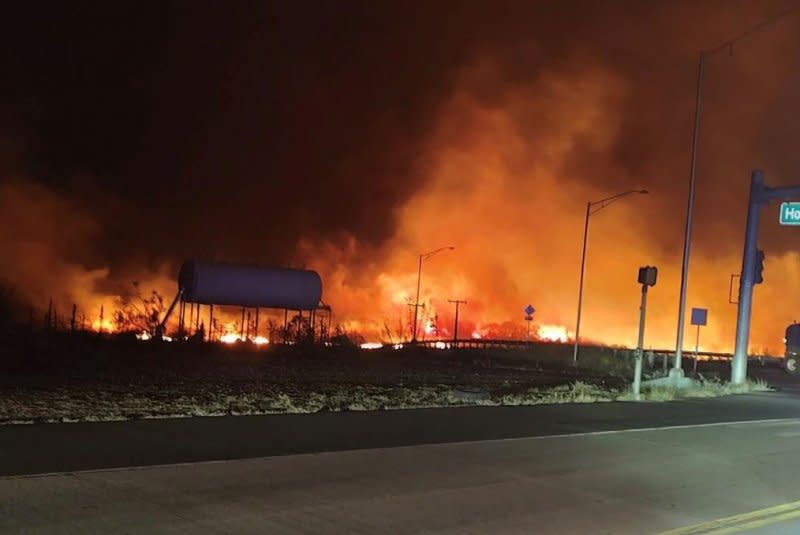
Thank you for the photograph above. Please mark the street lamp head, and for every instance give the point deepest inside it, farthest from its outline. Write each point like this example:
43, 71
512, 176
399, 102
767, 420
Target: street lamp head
439, 250
643, 191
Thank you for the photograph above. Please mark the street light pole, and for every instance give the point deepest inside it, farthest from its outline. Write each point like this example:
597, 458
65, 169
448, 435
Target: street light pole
419, 281
580, 286
727, 45
687, 237
602, 203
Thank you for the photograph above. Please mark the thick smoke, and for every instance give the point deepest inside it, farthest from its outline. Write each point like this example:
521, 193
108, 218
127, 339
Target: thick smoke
369, 134
508, 168
46, 241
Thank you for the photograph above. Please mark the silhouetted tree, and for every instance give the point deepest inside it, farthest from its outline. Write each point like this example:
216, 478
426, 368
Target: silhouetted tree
139, 313
341, 337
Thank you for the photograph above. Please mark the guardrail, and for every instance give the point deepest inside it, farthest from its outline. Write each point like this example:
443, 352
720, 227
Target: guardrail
659, 354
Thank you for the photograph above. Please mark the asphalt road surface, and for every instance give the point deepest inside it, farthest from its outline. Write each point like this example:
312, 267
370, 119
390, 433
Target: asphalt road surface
702, 466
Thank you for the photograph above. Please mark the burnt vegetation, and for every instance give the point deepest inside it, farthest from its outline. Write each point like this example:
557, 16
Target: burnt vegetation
137, 313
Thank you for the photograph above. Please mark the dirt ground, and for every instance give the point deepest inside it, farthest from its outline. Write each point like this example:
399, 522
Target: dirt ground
63, 378
79, 378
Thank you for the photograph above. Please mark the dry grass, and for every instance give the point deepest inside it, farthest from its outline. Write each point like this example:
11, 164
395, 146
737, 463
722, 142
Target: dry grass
72, 406
100, 380
708, 388
106, 406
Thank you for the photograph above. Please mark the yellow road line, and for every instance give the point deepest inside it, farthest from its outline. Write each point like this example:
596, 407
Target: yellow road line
736, 523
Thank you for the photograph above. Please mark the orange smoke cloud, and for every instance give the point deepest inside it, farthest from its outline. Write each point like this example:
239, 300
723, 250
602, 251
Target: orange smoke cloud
43, 239
497, 188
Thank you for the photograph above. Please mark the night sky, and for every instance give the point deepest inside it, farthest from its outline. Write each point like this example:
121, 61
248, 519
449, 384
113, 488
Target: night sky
138, 133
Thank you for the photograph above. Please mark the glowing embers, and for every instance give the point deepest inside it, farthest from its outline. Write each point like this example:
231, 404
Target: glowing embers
233, 338
144, 335
229, 338
430, 327
105, 325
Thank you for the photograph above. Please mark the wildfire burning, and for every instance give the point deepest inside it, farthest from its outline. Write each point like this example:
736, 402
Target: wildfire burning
503, 174
553, 333
498, 186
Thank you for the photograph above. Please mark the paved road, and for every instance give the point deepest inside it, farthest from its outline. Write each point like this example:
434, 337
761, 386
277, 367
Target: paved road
42, 448
727, 465
616, 482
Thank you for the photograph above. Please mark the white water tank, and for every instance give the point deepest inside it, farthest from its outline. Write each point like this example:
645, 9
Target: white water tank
213, 283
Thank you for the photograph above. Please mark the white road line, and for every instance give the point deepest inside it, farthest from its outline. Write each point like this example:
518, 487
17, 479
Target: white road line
767, 422
787, 434
783, 423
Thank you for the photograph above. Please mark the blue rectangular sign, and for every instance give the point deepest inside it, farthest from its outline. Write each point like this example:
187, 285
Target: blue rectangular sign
699, 316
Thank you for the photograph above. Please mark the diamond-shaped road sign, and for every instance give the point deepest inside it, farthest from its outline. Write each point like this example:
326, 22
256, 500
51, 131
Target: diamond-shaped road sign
529, 310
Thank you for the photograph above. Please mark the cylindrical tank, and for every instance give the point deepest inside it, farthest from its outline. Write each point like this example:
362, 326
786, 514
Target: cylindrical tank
230, 284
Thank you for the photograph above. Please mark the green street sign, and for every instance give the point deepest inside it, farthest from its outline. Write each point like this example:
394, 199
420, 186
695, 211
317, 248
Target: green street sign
790, 213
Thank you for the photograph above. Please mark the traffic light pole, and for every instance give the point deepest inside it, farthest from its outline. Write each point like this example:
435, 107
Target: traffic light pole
760, 194
637, 373
746, 281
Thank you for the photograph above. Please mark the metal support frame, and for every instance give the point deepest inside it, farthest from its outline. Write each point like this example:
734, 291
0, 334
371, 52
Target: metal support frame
161, 326
696, 349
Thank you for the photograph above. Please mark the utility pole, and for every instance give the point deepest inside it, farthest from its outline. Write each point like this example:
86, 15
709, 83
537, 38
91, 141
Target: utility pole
414, 324
455, 327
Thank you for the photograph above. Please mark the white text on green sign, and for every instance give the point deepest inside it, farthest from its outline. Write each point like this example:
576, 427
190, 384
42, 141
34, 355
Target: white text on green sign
790, 213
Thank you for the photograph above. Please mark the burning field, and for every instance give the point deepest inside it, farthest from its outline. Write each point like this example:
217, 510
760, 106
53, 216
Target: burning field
490, 150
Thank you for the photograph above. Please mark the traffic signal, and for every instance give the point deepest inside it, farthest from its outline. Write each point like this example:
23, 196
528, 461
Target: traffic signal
648, 275
758, 277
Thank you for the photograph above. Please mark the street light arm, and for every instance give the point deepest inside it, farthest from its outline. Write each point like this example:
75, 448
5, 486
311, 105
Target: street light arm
602, 203
753, 29
427, 255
